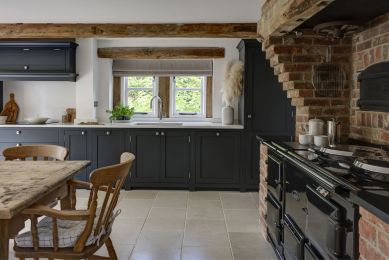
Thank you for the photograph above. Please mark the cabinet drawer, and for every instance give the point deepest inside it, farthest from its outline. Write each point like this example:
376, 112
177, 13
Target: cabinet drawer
18, 135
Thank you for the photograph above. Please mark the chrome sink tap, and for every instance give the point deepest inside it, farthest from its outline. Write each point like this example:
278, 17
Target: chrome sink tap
159, 100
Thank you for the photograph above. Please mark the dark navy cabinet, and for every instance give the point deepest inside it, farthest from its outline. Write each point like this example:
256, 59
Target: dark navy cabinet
162, 156
217, 158
264, 108
106, 146
33, 60
76, 140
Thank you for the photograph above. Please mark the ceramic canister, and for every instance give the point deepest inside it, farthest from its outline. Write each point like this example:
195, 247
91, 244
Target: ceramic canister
316, 126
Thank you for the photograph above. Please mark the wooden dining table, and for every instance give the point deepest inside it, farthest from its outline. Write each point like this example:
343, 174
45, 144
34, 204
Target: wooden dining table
24, 183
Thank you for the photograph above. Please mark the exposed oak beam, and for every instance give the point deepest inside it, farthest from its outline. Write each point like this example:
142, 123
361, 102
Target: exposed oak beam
283, 16
161, 53
197, 30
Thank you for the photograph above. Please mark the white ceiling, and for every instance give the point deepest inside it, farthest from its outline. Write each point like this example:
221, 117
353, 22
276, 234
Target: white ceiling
129, 11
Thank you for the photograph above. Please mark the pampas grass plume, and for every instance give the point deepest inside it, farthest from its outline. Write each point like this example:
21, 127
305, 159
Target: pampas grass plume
233, 81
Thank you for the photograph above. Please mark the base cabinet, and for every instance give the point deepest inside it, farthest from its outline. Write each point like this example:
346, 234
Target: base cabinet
161, 157
77, 143
217, 158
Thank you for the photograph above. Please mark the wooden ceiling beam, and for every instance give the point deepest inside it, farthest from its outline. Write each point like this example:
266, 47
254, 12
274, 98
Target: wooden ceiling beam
76, 30
280, 17
161, 53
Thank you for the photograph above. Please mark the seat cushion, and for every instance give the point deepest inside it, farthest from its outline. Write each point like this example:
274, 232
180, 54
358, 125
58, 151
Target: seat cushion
68, 233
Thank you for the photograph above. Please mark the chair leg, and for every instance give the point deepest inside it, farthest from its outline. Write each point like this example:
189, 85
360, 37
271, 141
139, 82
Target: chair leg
111, 249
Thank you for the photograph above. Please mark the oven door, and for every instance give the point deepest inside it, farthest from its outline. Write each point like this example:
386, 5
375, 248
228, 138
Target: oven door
325, 227
293, 240
274, 175
273, 219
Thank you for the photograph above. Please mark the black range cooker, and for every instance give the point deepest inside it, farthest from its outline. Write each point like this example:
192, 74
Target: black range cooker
310, 215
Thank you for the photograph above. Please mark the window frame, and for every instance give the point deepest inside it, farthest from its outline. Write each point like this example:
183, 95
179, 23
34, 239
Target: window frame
155, 90
173, 113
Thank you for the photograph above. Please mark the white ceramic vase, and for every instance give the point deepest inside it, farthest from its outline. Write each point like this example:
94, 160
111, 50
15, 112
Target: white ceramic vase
227, 115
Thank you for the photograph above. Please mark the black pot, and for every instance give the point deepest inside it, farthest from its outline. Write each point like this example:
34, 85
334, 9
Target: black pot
123, 118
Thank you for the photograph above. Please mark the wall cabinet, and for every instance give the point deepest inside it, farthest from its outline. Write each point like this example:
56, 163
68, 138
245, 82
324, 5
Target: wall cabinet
52, 61
161, 156
217, 158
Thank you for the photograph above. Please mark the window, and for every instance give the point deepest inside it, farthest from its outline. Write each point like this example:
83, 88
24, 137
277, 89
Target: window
139, 91
187, 96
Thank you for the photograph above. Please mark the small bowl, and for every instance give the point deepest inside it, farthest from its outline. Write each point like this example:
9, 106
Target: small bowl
320, 140
3, 120
305, 139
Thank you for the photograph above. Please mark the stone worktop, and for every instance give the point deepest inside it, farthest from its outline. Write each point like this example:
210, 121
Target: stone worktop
138, 125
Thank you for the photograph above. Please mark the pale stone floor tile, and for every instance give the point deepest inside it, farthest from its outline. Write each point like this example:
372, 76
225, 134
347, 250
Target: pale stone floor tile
176, 224
250, 246
206, 232
204, 195
205, 209
140, 194
242, 220
206, 253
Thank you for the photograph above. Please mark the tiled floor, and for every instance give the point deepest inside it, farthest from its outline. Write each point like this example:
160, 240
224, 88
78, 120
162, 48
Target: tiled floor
201, 225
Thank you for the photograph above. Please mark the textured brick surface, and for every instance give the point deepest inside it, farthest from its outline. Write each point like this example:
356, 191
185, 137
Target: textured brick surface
293, 59
263, 188
369, 47
373, 237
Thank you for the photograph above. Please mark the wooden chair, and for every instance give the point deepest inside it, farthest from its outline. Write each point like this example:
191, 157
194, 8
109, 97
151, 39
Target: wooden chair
44, 151
93, 226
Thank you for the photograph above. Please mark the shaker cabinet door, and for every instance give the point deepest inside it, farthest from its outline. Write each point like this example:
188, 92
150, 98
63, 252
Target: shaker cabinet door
76, 141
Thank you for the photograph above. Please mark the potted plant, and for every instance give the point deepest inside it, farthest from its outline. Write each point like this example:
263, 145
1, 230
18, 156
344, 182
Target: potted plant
232, 89
121, 113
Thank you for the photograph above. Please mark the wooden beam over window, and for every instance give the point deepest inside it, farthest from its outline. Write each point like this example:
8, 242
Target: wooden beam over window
283, 16
108, 30
161, 53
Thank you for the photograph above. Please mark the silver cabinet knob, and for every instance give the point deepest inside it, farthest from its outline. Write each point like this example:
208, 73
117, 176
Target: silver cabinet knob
162, 133
108, 133
18, 144
156, 133
26, 67
217, 134
249, 116
18, 132
82, 132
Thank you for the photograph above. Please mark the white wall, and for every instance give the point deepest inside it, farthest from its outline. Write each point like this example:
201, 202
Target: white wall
218, 65
129, 11
94, 82
41, 98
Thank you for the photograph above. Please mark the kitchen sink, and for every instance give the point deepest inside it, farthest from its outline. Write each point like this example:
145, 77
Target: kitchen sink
159, 123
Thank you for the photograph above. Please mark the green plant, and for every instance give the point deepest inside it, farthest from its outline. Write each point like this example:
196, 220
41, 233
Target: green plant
120, 112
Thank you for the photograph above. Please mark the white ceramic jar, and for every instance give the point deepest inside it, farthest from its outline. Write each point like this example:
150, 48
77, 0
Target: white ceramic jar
227, 115
321, 140
316, 126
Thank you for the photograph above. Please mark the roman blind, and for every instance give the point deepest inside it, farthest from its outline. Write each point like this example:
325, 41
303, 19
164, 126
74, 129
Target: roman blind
162, 67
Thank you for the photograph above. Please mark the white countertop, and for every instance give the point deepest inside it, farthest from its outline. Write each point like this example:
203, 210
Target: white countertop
169, 124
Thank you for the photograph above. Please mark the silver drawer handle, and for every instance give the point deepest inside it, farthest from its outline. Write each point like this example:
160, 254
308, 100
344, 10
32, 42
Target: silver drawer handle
108, 133
18, 132
82, 132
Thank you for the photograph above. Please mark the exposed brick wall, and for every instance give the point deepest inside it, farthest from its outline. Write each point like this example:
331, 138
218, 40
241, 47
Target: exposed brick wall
293, 58
369, 46
263, 188
373, 237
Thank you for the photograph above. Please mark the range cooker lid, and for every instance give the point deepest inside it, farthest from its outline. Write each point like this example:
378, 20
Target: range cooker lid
353, 151
375, 165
